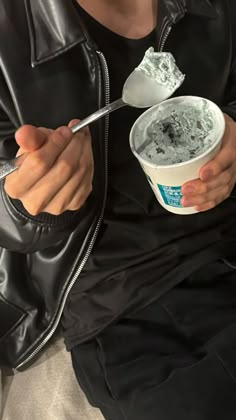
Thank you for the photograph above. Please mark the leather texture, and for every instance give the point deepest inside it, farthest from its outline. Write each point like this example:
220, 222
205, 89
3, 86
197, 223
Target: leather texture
50, 73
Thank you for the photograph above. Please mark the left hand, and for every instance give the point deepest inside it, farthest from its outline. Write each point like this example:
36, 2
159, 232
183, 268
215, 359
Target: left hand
217, 177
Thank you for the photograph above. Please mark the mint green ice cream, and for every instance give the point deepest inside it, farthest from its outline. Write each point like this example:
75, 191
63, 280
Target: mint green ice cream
161, 67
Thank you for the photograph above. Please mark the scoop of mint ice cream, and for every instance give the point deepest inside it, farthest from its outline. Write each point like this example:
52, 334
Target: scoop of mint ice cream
153, 81
161, 67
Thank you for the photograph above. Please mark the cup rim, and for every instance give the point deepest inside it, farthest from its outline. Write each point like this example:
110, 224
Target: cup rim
187, 162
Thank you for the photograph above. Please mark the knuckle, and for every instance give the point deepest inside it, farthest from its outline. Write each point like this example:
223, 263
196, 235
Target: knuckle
56, 207
32, 207
66, 168
204, 188
74, 208
81, 197
56, 210
10, 190
201, 200
77, 203
38, 164
59, 207
58, 139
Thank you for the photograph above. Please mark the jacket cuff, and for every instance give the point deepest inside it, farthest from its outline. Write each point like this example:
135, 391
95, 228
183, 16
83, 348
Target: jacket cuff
42, 218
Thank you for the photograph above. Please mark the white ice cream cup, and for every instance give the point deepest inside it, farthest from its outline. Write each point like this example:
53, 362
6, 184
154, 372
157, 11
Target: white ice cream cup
167, 180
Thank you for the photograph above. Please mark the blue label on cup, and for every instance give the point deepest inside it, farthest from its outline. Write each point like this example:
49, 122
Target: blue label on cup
171, 195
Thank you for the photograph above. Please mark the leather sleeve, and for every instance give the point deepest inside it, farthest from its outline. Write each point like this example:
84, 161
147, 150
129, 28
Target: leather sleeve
19, 231
230, 101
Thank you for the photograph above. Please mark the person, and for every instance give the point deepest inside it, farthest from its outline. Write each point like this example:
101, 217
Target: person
145, 298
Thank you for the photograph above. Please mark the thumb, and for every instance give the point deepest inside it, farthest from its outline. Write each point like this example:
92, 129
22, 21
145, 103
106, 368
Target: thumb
30, 138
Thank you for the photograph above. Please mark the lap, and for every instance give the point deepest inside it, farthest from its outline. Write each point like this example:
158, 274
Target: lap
172, 359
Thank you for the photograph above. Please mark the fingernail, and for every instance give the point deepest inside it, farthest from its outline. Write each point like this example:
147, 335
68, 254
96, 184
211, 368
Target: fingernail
73, 122
66, 132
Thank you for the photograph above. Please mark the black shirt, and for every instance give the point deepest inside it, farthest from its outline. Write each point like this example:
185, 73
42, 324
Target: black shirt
136, 249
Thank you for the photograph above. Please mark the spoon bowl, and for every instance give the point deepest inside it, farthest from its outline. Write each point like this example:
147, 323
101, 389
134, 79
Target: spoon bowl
142, 89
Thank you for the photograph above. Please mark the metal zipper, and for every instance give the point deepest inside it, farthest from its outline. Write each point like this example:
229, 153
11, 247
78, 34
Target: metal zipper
164, 35
106, 76
163, 38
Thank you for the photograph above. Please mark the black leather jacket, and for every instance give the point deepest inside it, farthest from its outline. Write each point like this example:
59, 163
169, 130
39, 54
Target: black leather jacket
51, 72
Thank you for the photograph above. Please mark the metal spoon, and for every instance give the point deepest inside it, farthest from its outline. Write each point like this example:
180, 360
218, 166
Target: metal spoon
139, 91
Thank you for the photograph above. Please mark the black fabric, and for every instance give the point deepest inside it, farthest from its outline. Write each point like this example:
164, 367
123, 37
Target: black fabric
174, 359
140, 244
68, 73
128, 233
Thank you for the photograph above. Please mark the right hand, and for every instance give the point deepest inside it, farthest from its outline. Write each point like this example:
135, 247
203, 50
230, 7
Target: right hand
56, 174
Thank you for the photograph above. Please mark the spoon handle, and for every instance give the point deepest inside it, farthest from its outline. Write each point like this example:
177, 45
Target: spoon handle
113, 106
11, 165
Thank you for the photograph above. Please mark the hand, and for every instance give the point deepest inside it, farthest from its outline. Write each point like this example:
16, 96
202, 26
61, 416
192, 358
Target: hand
56, 174
217, 177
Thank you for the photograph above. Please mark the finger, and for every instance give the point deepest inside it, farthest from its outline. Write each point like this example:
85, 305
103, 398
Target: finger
222, 162
224, 159
205, 207
76, 158
37, 163
76, 121
72, 196
73, 122
45, 131
30, 138
69, 195
200, 187
217, 196
39, 198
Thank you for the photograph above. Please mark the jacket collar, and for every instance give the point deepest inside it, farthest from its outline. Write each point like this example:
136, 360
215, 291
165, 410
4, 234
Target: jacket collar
178, 8
54, 26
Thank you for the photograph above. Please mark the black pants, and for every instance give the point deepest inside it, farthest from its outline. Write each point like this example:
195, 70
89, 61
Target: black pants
173, 360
